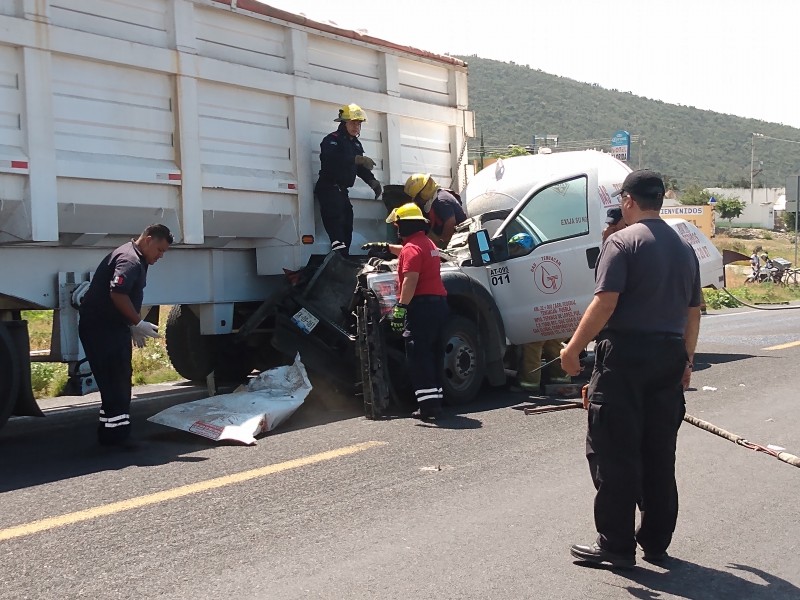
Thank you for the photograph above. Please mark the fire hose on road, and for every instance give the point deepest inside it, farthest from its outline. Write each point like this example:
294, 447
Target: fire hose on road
786, 457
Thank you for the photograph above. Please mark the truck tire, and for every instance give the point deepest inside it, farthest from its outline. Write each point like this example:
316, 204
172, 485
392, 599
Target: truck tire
464, 366
9, 375
191, 354
194, 356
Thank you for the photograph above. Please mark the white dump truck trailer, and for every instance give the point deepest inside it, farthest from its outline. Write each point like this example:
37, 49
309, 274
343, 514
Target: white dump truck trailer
204, 115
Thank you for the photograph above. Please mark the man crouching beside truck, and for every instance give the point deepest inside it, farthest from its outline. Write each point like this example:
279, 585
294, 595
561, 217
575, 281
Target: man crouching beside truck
110, 320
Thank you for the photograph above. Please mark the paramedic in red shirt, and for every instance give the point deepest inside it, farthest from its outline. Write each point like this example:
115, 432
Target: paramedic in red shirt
422, 307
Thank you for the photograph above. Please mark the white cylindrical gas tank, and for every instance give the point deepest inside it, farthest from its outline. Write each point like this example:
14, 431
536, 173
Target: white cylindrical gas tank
503, 184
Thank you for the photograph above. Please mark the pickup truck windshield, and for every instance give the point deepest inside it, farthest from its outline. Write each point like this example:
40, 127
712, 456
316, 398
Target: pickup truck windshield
557, 212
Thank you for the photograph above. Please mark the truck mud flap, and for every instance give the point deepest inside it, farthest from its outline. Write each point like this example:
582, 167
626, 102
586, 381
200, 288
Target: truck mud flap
16, 395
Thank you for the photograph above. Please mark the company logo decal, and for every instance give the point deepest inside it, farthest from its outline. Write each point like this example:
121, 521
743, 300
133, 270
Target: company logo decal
547, 275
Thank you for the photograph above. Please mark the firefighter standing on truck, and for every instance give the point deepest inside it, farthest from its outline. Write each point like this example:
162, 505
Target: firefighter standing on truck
341, 159
422, 307
441, 206
110, 320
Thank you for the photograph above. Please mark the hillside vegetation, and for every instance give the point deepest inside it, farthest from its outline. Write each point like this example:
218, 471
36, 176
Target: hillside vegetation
513, 102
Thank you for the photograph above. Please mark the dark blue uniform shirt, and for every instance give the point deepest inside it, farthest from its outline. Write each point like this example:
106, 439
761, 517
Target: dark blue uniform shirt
338, 151
122, 271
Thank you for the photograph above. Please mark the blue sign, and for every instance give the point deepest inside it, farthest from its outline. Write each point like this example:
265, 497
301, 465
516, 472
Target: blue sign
621, 145
712, 201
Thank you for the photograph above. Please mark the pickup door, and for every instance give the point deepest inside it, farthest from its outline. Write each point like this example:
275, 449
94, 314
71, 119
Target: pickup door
546, 283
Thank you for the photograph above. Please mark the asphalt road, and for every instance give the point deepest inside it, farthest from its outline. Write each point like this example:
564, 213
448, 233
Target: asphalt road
484, 505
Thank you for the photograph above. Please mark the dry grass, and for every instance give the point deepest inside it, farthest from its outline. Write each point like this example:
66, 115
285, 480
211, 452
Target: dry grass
776, 244
150, 364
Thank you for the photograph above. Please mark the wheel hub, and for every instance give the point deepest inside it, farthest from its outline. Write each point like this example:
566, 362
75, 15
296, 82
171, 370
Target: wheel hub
459, 361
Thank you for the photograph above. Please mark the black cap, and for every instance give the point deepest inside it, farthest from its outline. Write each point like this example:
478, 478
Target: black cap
613, 215
643, 183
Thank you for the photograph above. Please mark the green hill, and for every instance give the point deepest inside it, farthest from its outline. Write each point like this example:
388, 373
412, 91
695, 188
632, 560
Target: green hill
513, 102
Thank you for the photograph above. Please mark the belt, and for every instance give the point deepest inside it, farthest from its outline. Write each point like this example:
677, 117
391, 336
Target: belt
642, 335
333, 184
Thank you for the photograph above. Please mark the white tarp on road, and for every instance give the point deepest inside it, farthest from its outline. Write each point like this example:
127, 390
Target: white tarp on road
266, 402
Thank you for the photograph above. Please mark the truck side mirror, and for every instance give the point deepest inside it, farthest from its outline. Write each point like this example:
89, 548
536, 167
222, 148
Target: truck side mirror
480, 248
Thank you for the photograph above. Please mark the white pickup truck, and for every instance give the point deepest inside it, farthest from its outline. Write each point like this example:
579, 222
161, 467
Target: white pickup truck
496, 299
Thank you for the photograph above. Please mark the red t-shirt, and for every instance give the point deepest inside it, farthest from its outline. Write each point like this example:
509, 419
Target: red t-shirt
420, 255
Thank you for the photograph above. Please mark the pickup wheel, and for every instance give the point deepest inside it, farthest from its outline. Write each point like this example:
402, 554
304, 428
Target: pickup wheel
464, 366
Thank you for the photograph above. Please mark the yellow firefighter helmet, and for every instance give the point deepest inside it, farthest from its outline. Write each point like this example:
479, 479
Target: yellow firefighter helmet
351, 112
406, 212
416, 183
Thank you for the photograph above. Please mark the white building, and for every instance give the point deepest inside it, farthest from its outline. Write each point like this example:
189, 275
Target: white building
759, 208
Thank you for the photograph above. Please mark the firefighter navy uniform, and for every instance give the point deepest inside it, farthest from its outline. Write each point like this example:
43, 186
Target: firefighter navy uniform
337, 175
106, 336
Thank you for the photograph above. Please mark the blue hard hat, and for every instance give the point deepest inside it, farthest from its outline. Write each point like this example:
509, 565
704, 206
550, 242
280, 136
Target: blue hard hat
521, 242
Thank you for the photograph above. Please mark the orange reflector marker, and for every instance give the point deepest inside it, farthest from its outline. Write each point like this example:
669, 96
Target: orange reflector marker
308, 239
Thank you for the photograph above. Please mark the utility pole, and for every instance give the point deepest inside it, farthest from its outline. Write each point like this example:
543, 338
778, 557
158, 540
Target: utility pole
752, 160
483, 150
641, 151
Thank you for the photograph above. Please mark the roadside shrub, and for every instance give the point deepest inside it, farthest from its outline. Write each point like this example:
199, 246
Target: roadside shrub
739, 247
48, 379
151, 364
717, 299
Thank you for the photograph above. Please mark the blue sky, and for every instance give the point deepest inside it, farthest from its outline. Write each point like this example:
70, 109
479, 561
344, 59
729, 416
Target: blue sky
734, 56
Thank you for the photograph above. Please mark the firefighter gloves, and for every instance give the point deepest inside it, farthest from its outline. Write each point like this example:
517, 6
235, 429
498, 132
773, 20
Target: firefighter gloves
382, 246
399, 317
365, 161
376, 187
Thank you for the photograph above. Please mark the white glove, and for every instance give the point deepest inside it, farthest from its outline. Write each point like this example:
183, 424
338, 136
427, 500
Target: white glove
143, 330
138, 339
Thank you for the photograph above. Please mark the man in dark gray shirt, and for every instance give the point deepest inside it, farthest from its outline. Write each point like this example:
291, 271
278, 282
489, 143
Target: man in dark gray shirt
646, 310
110, 321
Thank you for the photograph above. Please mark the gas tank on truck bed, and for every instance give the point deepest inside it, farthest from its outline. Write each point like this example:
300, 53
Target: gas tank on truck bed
557, 204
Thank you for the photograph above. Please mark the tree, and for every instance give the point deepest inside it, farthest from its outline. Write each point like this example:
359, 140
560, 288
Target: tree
729, 208
513, 150
694, 195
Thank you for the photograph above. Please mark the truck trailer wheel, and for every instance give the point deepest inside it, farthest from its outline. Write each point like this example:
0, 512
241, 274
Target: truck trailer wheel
464, 366
194, 356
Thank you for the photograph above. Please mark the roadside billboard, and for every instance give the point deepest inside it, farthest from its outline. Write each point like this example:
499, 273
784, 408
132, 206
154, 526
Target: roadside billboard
621, 145
700, 216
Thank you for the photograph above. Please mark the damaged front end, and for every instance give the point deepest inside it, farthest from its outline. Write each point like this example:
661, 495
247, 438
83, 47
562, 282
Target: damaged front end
334, 317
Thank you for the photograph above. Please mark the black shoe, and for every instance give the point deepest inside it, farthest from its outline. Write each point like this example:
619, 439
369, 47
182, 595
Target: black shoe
427, 415
595, 554
657, 558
